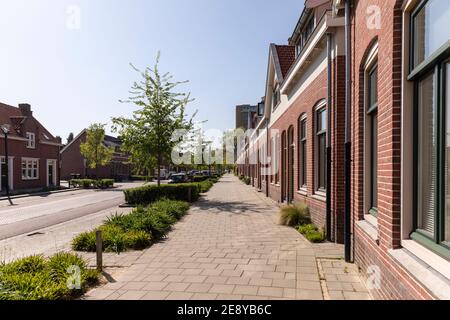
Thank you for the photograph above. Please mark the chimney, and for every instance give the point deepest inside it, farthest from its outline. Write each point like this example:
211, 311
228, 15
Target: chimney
25, 109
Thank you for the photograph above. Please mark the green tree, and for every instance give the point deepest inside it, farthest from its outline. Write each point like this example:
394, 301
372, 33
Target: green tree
94, 150
147, 135
70, 138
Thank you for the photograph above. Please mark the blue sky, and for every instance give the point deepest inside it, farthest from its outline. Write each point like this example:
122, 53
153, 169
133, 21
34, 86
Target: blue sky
73, 78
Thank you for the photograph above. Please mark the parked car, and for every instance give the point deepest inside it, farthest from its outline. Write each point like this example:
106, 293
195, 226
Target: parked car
178, 178
170, 174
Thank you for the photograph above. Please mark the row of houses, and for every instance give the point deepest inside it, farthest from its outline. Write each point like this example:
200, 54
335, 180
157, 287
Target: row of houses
38, 160
355, 124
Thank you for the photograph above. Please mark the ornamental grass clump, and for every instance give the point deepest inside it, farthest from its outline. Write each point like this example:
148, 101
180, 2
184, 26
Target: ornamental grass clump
295, 214
136, 230
63, 276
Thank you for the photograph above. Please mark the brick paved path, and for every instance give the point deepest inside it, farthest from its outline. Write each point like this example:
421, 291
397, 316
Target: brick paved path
230, 247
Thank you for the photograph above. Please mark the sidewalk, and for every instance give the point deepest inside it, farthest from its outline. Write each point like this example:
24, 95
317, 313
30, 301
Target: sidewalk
230, 246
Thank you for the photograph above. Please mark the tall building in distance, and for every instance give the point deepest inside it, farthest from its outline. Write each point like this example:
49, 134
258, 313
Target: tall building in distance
248, 116
244, 115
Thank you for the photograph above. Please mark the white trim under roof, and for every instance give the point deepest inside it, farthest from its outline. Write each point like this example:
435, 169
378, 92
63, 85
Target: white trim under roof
313, 44
50, 143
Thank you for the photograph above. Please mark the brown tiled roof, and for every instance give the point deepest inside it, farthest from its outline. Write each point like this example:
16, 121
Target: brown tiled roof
286, 56
14, 117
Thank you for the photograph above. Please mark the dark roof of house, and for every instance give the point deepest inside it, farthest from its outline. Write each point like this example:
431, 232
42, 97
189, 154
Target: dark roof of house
16, 119
108, 140
112, 139
286, 57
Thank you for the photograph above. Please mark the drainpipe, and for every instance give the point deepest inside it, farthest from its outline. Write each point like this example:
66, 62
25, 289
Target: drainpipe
329, 102
347, 169
267, 156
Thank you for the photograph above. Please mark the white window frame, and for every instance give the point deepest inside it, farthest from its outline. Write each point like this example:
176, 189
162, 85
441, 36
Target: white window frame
31, 140
321, 105
11, 172
29, 161
371, 61
54, 163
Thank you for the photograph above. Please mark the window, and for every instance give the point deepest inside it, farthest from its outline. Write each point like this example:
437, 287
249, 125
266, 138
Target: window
276, 97
372, 125
305, 34
260, 109
31, 140
430, 73
30, 169
302, 152
430, 29
321, 162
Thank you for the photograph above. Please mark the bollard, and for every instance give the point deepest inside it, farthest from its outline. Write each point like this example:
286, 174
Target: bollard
190, 194
99, 247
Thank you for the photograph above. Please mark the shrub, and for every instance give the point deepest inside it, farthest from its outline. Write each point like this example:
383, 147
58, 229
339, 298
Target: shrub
304, 229
82, 183
37, 278
199, 178
91, 183
148, 194
143, 178
247, 180
315, 236
312, 233
104, 183
294, 215
84, 242
205, 186
135, 230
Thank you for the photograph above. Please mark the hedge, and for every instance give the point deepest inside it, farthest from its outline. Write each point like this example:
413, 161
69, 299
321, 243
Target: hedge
199, 178
39, 278
143, 178
91, 183
148, 194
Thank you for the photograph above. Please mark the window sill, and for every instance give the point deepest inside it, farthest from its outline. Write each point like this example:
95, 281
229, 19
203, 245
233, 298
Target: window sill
320, 197
369, 227
427, 268
302, 192
29, 179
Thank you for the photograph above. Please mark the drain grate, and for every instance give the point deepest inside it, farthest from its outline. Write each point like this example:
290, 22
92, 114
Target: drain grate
35, 234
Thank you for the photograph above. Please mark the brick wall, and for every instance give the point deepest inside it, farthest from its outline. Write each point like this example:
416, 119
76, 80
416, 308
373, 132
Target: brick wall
396, 283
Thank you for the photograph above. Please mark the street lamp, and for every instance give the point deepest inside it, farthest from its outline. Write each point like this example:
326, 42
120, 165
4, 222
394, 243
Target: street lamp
6, 129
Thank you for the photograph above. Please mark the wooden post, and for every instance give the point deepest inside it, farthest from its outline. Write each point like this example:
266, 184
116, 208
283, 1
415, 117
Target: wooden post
99, 247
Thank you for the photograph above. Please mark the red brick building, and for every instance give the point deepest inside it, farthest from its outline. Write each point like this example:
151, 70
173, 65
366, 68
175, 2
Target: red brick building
33, 151
379, 92
73, 162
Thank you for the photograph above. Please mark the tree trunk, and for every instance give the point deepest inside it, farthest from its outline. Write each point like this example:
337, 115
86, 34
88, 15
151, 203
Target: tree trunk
159, 170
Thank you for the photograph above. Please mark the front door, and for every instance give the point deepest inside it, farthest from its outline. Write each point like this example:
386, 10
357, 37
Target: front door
4, 174
50, 173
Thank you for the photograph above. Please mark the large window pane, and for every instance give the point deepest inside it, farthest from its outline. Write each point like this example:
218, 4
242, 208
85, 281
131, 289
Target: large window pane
447, 158
322, 162
427, 152
431, 29
374, 160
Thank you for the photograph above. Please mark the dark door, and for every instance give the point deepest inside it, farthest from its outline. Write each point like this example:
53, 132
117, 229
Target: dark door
290, 158
50, 175
4, 176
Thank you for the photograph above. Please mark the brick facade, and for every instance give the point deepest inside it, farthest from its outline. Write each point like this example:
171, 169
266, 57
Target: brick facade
45, 151
73, 162
382, 44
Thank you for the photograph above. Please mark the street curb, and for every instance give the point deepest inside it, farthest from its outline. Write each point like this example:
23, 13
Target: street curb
19, 196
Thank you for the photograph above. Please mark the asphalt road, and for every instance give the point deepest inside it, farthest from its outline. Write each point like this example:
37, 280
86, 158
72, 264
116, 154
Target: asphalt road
37, 212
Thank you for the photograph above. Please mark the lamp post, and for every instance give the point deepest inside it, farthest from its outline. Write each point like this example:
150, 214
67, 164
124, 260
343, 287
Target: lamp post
5, 129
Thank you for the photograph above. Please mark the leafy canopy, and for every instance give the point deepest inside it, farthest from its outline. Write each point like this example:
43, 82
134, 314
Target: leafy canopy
147, 135
95, 152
